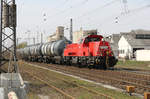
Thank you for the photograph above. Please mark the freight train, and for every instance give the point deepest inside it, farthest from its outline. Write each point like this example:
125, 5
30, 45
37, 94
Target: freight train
92, 52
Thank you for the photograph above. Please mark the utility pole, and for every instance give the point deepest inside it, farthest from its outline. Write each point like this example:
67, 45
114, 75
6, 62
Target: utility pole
11, 82
37, 37
41, 38
71, 29
1, 12
17, 43
34, 40
8, 23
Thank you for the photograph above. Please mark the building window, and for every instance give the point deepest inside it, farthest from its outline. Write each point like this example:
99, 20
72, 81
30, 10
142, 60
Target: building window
143, 36
121, 51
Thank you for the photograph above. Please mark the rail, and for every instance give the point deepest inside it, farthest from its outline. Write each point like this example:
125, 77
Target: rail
104, 77
90, 90
57, 89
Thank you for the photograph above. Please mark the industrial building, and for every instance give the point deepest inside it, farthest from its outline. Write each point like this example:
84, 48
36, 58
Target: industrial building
82, 33
129, 43
125, 44
59, 34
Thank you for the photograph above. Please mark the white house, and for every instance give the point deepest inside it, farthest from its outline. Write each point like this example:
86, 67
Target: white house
131, 42
125, 49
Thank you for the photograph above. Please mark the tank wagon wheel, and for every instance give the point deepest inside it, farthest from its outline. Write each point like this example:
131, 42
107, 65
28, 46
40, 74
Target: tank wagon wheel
82, 65
53, 62
105, 67
47, 61
69, 61
50, 61
62, 62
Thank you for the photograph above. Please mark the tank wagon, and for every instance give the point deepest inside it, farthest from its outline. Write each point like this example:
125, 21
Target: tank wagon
51, 52
92, 51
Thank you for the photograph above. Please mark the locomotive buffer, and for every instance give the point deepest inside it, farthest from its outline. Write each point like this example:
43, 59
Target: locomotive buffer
11, 83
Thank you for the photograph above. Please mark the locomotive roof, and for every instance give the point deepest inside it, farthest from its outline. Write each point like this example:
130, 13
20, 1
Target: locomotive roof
94, 36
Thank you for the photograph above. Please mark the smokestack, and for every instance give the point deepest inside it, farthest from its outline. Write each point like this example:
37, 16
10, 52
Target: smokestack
71, 29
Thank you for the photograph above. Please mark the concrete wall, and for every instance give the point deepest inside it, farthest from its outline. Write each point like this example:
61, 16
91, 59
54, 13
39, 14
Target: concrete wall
125, 50
143, 55
77, 36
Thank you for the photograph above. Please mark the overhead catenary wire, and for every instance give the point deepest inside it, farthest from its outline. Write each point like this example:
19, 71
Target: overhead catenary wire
98, 8
114, 18
77, 5
93, 10
68, 8
61, 4
123, 17
86, 14
133, 11
82, 16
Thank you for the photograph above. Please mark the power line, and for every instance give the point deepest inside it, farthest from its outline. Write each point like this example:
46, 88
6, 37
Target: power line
117, 19
94, 10
134, 11
121, 16
70, 7
77, 5
98, 8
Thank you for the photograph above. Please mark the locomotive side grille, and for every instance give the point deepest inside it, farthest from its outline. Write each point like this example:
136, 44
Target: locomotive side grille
102, 50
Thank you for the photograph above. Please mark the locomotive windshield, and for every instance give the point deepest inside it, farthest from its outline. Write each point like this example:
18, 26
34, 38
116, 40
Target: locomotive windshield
94, 39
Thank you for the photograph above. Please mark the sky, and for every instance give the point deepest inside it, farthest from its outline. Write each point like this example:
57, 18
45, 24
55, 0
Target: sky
107, 16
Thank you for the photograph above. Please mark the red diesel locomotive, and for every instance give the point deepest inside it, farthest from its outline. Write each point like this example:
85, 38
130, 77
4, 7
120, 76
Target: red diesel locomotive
92, 51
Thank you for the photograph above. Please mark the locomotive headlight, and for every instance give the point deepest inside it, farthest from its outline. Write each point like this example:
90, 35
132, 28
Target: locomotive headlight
101, 54
97, 61
107, 52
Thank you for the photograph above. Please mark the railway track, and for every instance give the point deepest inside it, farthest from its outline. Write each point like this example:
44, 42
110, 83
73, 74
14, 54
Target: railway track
115, 78
137, 71
43, 77
46, 82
